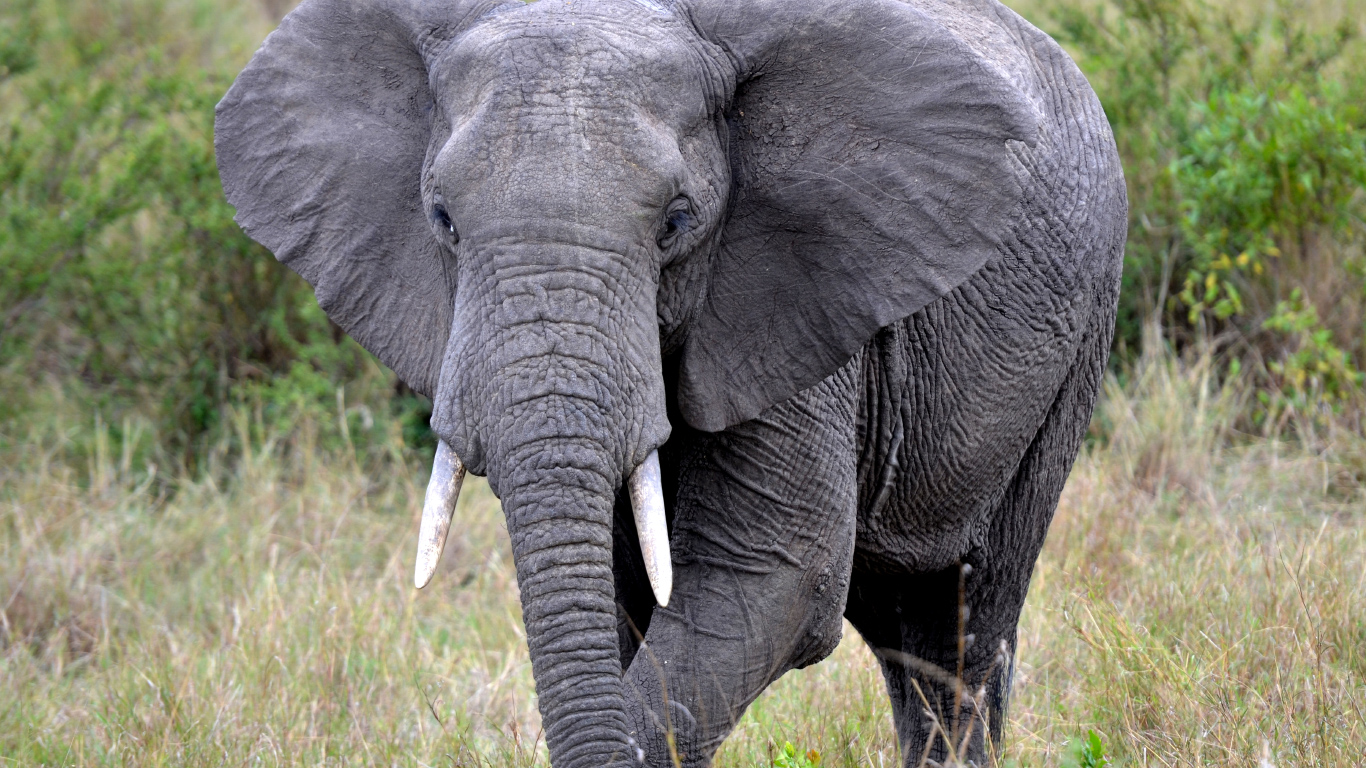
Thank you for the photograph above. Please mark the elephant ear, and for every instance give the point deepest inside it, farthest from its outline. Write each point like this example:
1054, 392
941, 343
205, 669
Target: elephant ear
872, 173
321, 143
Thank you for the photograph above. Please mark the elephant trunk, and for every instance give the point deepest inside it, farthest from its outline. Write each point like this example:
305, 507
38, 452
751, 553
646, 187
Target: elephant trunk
559, 515
554, 390
647, 502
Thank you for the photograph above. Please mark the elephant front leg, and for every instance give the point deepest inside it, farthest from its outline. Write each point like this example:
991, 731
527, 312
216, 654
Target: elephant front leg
762, 545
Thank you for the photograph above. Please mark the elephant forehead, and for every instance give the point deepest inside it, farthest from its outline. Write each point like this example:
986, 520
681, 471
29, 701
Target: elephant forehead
586, 59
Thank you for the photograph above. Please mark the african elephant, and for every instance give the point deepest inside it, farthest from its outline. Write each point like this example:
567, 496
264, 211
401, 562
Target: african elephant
756, 314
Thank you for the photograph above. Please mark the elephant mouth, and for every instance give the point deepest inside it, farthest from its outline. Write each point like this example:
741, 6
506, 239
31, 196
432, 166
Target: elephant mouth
647, 504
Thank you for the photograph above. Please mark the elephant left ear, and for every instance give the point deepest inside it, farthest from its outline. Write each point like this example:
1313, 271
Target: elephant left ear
872, 173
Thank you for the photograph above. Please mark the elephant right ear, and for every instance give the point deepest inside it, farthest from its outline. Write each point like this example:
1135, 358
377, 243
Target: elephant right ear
878, 158
320, 145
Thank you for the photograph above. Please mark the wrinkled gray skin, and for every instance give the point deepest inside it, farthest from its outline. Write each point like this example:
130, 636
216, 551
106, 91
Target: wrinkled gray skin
851, 265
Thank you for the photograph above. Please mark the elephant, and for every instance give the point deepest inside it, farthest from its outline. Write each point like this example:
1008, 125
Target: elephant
757, 316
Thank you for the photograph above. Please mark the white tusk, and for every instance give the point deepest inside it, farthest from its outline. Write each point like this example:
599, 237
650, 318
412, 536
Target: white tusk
647, 501
443, 491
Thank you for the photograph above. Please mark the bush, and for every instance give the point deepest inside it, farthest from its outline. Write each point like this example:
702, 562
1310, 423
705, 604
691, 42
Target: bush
127, 291
1243, 137
123, 278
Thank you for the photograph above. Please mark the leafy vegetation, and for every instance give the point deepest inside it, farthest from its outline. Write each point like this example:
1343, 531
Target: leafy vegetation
791, 757
123, 279
1243, 134
1088, 752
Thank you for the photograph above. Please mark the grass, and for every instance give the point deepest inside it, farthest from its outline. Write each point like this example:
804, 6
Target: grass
1201, 602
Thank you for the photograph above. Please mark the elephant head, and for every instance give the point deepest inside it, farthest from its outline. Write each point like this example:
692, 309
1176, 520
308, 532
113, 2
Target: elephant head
525, 209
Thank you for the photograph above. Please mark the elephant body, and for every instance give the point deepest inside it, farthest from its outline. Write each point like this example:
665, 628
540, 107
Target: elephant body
850, 266
863, 497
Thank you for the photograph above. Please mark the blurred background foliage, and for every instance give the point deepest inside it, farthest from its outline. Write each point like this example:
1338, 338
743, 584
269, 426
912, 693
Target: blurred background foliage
126, 289
1243, 133
129, 296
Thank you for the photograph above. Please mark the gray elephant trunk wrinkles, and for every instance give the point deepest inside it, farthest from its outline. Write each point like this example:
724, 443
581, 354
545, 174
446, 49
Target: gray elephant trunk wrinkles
551, 314
557, 445
559, 520
544, 331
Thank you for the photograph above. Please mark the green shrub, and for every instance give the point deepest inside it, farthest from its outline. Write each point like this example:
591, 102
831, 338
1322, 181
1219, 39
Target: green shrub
1312, 373
123, 278
1243, 135
790, 757
1258, 180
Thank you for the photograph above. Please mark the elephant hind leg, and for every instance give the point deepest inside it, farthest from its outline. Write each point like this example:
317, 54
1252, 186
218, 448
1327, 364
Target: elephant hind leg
946, 639
933, 663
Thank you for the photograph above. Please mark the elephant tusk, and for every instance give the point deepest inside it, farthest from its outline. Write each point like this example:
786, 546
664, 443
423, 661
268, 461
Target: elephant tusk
443, 491
647, 501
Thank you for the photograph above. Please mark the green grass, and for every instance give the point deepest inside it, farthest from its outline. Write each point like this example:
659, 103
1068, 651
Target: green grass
1201, 602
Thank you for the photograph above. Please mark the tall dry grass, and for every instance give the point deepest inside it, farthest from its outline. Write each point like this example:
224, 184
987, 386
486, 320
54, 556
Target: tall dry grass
262, 614
1202, 596
1201, 602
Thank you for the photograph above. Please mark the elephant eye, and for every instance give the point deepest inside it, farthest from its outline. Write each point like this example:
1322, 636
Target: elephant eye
443, 220
677, 220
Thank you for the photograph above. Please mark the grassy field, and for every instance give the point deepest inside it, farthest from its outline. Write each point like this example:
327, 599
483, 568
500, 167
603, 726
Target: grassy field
1201, 602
